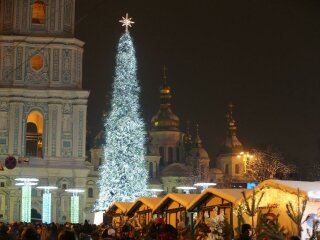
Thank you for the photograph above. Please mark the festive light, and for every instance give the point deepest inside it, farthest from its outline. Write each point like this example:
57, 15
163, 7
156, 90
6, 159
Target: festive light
123, 175
74, 204
26, 184
204, 185
46, 203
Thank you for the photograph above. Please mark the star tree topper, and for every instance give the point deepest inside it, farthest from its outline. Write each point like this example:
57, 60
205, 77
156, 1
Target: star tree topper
126, 21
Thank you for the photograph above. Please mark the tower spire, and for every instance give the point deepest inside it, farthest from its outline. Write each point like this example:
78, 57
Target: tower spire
231, 143
165, 119
231, 123
165, 75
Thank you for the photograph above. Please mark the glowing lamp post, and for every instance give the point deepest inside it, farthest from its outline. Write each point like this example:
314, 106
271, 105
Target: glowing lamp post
46, 203
186, 189
26, 184
155, 191
74, 206
204, 185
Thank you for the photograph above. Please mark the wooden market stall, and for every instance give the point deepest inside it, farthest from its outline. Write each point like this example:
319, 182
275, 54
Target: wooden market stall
276, 195
173, 207
143, 207
223, 200
117, 211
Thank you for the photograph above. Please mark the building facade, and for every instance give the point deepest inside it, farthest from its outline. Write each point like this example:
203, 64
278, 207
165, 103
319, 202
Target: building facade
176, 158
43, 108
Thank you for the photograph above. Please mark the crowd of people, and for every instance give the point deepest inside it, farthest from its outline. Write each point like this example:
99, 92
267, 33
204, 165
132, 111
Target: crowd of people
156, 230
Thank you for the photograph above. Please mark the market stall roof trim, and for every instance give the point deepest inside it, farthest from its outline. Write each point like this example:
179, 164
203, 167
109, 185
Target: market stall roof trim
151, 202
290, 186
231, 195
123, 206
181, 198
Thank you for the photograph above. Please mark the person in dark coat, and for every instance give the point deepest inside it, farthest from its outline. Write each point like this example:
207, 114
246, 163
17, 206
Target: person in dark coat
246, 232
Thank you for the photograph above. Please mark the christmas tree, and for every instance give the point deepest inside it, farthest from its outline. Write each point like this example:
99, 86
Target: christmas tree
123, 174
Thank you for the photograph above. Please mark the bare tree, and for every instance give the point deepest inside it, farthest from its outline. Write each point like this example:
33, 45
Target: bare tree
267, 164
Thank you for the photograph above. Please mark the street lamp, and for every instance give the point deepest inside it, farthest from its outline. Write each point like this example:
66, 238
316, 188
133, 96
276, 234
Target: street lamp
246, 156
46, 203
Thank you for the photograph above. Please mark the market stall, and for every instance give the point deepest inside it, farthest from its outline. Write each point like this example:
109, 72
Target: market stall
216, 201
117, 212
173, 207
276, 195
143, 208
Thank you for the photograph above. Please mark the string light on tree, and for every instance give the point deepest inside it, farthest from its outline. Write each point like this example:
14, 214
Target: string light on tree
123, 175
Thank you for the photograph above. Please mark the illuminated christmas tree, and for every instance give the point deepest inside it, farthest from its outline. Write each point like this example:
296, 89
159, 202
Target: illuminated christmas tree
123, 174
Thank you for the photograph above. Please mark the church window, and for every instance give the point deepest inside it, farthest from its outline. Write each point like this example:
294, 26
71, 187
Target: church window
151, 170
37, 62
2, 184
161, 152
226, 169
178, 154
237, 168
90, 192
170, 155
34, 134
38, 12
64, 186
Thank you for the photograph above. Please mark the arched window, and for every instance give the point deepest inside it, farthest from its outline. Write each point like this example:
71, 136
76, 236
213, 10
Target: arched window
170, 155
226, 169
34, 134
38, 12
151, 170
90, 192
161, 152
178, 154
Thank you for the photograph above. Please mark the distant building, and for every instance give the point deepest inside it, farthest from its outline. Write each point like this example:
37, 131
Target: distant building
175, 158
43, 108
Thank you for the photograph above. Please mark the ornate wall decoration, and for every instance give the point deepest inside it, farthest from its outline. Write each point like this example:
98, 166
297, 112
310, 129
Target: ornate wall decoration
66, 65
56, 64
7, 64
19, 63
54, 132
25, 14
67, 124
67, 15
37, 77
8, 16
80, 140
52, 15
4, 106
16, 129
67, 108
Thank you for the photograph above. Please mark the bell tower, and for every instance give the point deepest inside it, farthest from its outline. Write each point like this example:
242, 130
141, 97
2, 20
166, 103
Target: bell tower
43, 108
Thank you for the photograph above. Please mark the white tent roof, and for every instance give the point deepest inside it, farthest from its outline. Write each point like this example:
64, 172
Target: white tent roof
231, 195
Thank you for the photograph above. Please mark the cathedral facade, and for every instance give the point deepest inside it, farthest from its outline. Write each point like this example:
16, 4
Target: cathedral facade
43, 108
175, 158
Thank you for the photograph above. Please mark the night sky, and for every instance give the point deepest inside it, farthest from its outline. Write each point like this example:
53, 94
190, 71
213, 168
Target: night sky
263, 55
